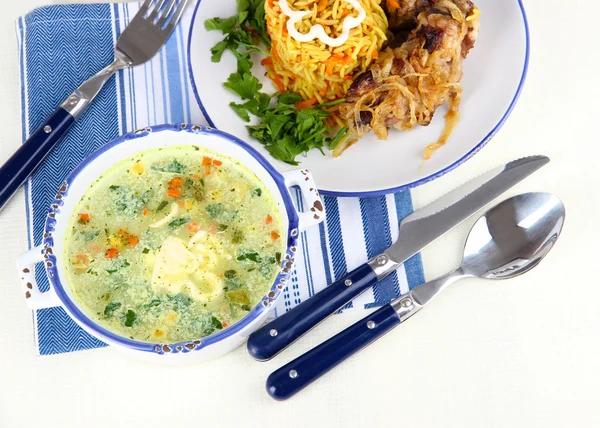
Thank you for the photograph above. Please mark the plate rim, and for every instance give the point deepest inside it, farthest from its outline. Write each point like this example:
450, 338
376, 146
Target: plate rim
423, 180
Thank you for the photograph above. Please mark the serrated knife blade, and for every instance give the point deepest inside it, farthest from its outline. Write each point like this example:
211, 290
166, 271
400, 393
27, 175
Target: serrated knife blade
427, 224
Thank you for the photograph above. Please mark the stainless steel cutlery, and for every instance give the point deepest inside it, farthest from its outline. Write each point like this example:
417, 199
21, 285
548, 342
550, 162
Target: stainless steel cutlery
416, 231
510, 239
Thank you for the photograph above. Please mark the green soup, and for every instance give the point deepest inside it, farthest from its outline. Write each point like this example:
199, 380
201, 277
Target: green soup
173, 245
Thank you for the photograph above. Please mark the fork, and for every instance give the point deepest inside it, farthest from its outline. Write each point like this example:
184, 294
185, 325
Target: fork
147, 32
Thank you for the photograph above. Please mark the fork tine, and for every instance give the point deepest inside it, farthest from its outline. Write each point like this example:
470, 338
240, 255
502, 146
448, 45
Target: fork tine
176, 15
165, 16
156, 10
144, 8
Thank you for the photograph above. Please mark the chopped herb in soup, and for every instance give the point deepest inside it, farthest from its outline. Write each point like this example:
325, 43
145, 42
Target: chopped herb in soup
173, 245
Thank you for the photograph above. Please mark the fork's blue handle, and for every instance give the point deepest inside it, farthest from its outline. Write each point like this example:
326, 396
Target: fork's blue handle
301, 372
268, 341
25, 160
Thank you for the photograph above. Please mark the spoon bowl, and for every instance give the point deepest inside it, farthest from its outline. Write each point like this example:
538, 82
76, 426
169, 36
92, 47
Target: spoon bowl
513, 237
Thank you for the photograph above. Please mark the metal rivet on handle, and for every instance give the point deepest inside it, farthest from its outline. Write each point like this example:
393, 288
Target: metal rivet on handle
405, 303
371, 325
348, 282
381, 260
293, 374
273, 332
47, 129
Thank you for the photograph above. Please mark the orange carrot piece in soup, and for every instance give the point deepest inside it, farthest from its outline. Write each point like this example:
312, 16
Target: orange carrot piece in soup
174, 193
176, 182
111, 253
193, 226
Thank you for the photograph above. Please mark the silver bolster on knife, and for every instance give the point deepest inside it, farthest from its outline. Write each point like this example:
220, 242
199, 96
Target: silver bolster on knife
383, 265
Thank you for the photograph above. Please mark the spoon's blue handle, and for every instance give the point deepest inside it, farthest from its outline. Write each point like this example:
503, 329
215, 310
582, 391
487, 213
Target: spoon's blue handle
301, 372
25, 160
268, 341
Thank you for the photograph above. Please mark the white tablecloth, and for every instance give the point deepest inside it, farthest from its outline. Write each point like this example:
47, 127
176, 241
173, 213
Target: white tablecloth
523, 353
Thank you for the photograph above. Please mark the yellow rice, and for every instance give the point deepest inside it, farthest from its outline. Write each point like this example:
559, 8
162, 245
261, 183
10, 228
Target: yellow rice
314, 70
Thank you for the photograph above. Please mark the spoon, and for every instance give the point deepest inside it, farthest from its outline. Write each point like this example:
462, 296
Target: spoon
508, 240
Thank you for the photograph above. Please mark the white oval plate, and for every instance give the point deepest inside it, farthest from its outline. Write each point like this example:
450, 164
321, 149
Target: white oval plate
494, 74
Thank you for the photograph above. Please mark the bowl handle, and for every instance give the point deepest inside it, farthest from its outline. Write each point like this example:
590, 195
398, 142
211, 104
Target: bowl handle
34, 297
315, 209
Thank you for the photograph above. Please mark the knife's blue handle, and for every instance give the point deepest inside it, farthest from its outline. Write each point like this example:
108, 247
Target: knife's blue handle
301, 372
268, 341
25, 160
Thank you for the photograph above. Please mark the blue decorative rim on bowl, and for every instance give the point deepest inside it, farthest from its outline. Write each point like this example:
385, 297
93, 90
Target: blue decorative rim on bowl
50, 262
424, 180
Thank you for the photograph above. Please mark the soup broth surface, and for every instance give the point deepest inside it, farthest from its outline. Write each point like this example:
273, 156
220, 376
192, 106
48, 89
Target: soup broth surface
173, 245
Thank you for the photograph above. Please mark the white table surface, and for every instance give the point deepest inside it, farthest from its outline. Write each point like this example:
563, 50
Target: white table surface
524, 353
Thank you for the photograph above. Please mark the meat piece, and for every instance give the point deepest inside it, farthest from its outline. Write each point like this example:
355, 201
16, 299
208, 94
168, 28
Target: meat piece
365, 117
406, 85
364, 82
402, 13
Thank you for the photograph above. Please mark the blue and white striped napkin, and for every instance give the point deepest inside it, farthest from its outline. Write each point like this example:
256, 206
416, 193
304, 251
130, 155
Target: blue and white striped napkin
60, 47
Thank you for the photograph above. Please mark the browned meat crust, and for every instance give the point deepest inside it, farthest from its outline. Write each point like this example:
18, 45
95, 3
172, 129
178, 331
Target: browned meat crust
405, 86
402, 13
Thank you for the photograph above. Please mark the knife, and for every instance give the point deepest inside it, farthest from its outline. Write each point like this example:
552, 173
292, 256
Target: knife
417, 230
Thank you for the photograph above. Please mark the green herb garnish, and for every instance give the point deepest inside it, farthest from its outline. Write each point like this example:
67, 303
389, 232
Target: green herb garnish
180, 302
214, 321
117, 265
253, 256
162, 205
178, 222
91, 236
237, 236
111, 308
221, 213
130, 318
174, 167
233, 284
215, 210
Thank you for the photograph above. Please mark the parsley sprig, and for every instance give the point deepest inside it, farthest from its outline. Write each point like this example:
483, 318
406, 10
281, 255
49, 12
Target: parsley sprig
284, 129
